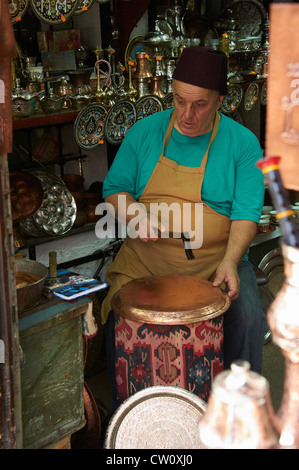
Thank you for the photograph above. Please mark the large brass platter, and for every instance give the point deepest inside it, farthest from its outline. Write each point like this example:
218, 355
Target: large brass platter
170, 299
160, 417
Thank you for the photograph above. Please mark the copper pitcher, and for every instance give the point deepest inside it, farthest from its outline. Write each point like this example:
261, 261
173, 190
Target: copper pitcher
239, 411
143, 69
284, 324
156, 87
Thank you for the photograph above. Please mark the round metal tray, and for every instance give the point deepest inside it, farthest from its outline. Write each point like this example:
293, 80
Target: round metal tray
170, 300
160, 417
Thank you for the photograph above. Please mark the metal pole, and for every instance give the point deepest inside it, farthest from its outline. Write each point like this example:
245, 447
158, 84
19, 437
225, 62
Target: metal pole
10, 395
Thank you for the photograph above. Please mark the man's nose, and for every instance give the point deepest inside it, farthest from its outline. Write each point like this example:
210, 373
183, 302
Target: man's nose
188, 111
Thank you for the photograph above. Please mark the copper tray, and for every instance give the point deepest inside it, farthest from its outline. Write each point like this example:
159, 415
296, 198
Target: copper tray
160, 417
170, 299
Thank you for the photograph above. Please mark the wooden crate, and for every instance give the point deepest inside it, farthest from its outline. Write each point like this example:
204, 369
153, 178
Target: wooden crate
52, 375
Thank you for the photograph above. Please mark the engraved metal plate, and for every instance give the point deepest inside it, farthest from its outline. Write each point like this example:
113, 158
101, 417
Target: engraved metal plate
232, 99
120, 119
264, 94
160, 417
89, 127
83, 6
58, 211
249, 15
251, 96
168, 100
17, 8
54, 11
148, 105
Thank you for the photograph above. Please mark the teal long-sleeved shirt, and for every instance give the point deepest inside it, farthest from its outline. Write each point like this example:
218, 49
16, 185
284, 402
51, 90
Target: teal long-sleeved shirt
232, 184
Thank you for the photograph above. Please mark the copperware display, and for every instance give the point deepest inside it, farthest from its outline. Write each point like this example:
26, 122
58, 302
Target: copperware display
168, 331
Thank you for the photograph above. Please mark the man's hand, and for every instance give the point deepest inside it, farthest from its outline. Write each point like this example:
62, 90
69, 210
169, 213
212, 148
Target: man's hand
242, 232
227, 272
148, 228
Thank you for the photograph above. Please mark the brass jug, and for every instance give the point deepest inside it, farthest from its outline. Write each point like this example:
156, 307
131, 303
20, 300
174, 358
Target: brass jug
156, 87
239, 411
143, 69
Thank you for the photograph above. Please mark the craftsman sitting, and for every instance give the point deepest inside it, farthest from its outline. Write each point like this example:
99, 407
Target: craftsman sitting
194, 154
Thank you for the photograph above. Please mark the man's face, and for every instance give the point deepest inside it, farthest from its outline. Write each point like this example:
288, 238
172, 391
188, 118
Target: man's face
195, 108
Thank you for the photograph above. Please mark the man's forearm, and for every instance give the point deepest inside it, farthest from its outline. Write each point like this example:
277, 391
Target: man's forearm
242, 232
121, 205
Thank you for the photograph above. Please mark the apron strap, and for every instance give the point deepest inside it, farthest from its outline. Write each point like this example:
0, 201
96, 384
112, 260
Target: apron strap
215, 129
168, 132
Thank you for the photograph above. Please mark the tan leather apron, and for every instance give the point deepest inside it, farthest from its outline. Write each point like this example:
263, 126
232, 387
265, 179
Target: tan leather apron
169, 183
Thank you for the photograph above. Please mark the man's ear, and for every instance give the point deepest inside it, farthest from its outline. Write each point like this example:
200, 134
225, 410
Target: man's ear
220, 99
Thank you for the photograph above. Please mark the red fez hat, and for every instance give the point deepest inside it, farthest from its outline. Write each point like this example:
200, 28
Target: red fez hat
203, 67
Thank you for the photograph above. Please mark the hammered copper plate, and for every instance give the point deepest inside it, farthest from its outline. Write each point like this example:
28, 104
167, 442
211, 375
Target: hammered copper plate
26, 194
170, 299
160, 417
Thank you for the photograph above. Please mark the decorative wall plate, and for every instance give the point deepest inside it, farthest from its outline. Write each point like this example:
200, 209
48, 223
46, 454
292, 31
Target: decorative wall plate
264, 94
251, 96
17, 8
249, 15
135, 45
57, 214
83, 6
236, 116
147, 105
168, 100
120, 118
54, 11
233, 99
89, 127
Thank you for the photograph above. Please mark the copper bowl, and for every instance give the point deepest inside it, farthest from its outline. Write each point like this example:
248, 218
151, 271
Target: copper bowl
30, 277
79, 77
